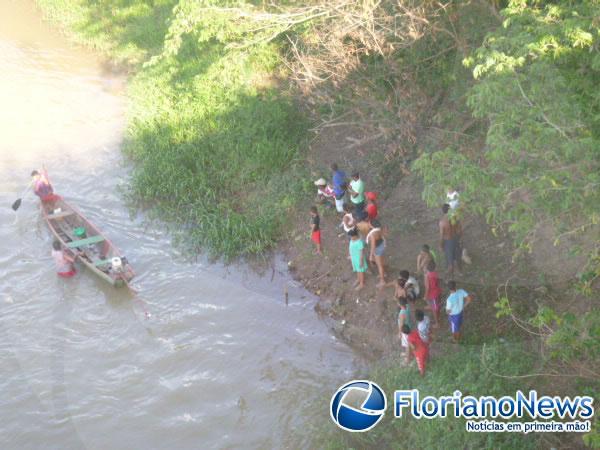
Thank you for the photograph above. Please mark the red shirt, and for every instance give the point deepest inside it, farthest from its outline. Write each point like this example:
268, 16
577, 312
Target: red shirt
433, 283
372, 211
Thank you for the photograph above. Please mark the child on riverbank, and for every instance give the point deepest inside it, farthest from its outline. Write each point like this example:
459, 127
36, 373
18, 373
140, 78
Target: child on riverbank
423, 326
423, 259
417, 347
315, 223
433, 291
455, 305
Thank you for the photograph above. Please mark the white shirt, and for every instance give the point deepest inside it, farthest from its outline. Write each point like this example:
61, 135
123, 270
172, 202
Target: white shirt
452, 198
415, 285
348, 218
423, 327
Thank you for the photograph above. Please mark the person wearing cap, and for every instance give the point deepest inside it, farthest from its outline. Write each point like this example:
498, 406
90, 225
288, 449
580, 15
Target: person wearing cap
325, 193
339, 187
357, 192
371, 205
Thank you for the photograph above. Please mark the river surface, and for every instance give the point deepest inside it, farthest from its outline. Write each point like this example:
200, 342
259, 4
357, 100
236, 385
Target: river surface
204, 357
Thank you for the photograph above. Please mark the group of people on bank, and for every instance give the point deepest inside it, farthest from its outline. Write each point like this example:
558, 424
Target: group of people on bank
367, 239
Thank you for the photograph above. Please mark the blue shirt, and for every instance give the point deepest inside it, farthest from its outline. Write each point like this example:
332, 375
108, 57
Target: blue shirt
456, 302
339, 178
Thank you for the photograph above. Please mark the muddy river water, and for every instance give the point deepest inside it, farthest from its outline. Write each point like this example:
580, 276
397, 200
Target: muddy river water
206, 357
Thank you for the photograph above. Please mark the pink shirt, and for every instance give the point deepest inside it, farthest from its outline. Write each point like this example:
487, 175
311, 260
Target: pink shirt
62, 265
327, 191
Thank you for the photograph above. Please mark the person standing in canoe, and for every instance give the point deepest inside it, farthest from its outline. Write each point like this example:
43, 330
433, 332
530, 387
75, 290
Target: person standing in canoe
63, 262
42, 187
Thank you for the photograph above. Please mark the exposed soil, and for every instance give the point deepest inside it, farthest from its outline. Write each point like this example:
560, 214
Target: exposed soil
367, 319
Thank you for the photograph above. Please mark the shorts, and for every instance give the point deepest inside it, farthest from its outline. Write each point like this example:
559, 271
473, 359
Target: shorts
455, 322
434, 304
69, 274
452, 251
404, 340
316, 236
339, 204
380, 249
359, 209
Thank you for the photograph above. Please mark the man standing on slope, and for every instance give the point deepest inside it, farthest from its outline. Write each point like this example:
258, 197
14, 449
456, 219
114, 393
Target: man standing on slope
450, 236
357, 194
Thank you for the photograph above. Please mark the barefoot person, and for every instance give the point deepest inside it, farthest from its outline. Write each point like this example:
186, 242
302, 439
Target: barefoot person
356, 249
433, 291
417, 347
450, 235
423, 259
338, 178
376, 243
455, 305
315, 222
62, 261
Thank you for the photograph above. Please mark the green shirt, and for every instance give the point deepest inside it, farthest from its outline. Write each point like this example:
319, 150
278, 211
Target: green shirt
358, 186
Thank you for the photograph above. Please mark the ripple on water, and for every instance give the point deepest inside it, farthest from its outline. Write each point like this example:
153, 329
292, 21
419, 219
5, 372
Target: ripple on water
222, 357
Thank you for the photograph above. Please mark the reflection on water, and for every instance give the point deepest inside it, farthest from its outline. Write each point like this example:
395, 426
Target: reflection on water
221, 362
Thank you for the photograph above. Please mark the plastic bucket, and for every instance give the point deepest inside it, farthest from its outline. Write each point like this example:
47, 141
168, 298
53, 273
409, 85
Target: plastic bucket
80, 232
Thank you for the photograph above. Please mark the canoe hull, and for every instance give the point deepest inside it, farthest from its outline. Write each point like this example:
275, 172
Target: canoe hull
93, 249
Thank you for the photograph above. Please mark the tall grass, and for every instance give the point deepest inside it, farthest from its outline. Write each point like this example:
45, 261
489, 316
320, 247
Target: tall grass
215, 140
461, 370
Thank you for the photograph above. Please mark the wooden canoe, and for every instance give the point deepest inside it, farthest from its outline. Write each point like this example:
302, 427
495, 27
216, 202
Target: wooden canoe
94, 250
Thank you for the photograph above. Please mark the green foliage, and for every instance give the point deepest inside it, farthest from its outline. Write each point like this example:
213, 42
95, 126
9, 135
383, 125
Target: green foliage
537, 88
215, 141
463, 370
129, 31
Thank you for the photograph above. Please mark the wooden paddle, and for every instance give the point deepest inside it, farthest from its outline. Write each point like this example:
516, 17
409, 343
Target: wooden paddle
17, 203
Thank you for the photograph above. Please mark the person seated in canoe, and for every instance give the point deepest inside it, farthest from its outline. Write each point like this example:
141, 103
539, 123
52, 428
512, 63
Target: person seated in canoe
42, 187
63, 261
